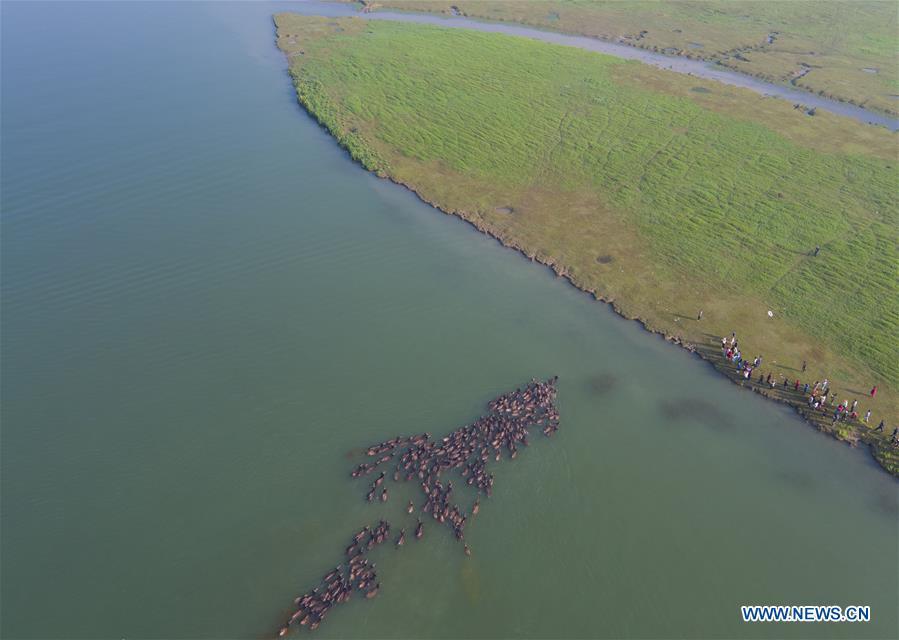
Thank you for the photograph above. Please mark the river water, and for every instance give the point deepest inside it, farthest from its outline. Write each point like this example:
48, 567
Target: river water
207, 305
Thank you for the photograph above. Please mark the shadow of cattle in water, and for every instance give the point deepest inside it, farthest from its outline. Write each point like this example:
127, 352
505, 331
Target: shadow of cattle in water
888, 502
798, 480
695, 410
602, 383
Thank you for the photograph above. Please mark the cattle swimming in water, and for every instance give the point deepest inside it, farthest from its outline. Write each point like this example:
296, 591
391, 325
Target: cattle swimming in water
465, 453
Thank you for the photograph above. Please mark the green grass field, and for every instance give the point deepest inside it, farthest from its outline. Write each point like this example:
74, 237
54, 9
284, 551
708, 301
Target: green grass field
661, 193
838, 40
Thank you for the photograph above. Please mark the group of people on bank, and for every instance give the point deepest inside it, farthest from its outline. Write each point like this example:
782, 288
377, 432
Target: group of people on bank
818, 396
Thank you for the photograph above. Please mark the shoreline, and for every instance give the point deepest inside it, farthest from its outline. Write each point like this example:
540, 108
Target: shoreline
851, 433
857, 435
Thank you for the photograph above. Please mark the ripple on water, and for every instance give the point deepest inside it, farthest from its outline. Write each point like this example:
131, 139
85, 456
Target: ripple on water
694, 410
602, 383
796, 479
471, 581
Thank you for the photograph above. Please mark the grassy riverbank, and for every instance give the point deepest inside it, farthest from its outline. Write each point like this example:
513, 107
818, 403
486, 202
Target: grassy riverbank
661, 193
844, 50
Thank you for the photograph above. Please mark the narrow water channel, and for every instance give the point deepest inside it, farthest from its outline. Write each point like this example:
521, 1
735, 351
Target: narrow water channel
206, 306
